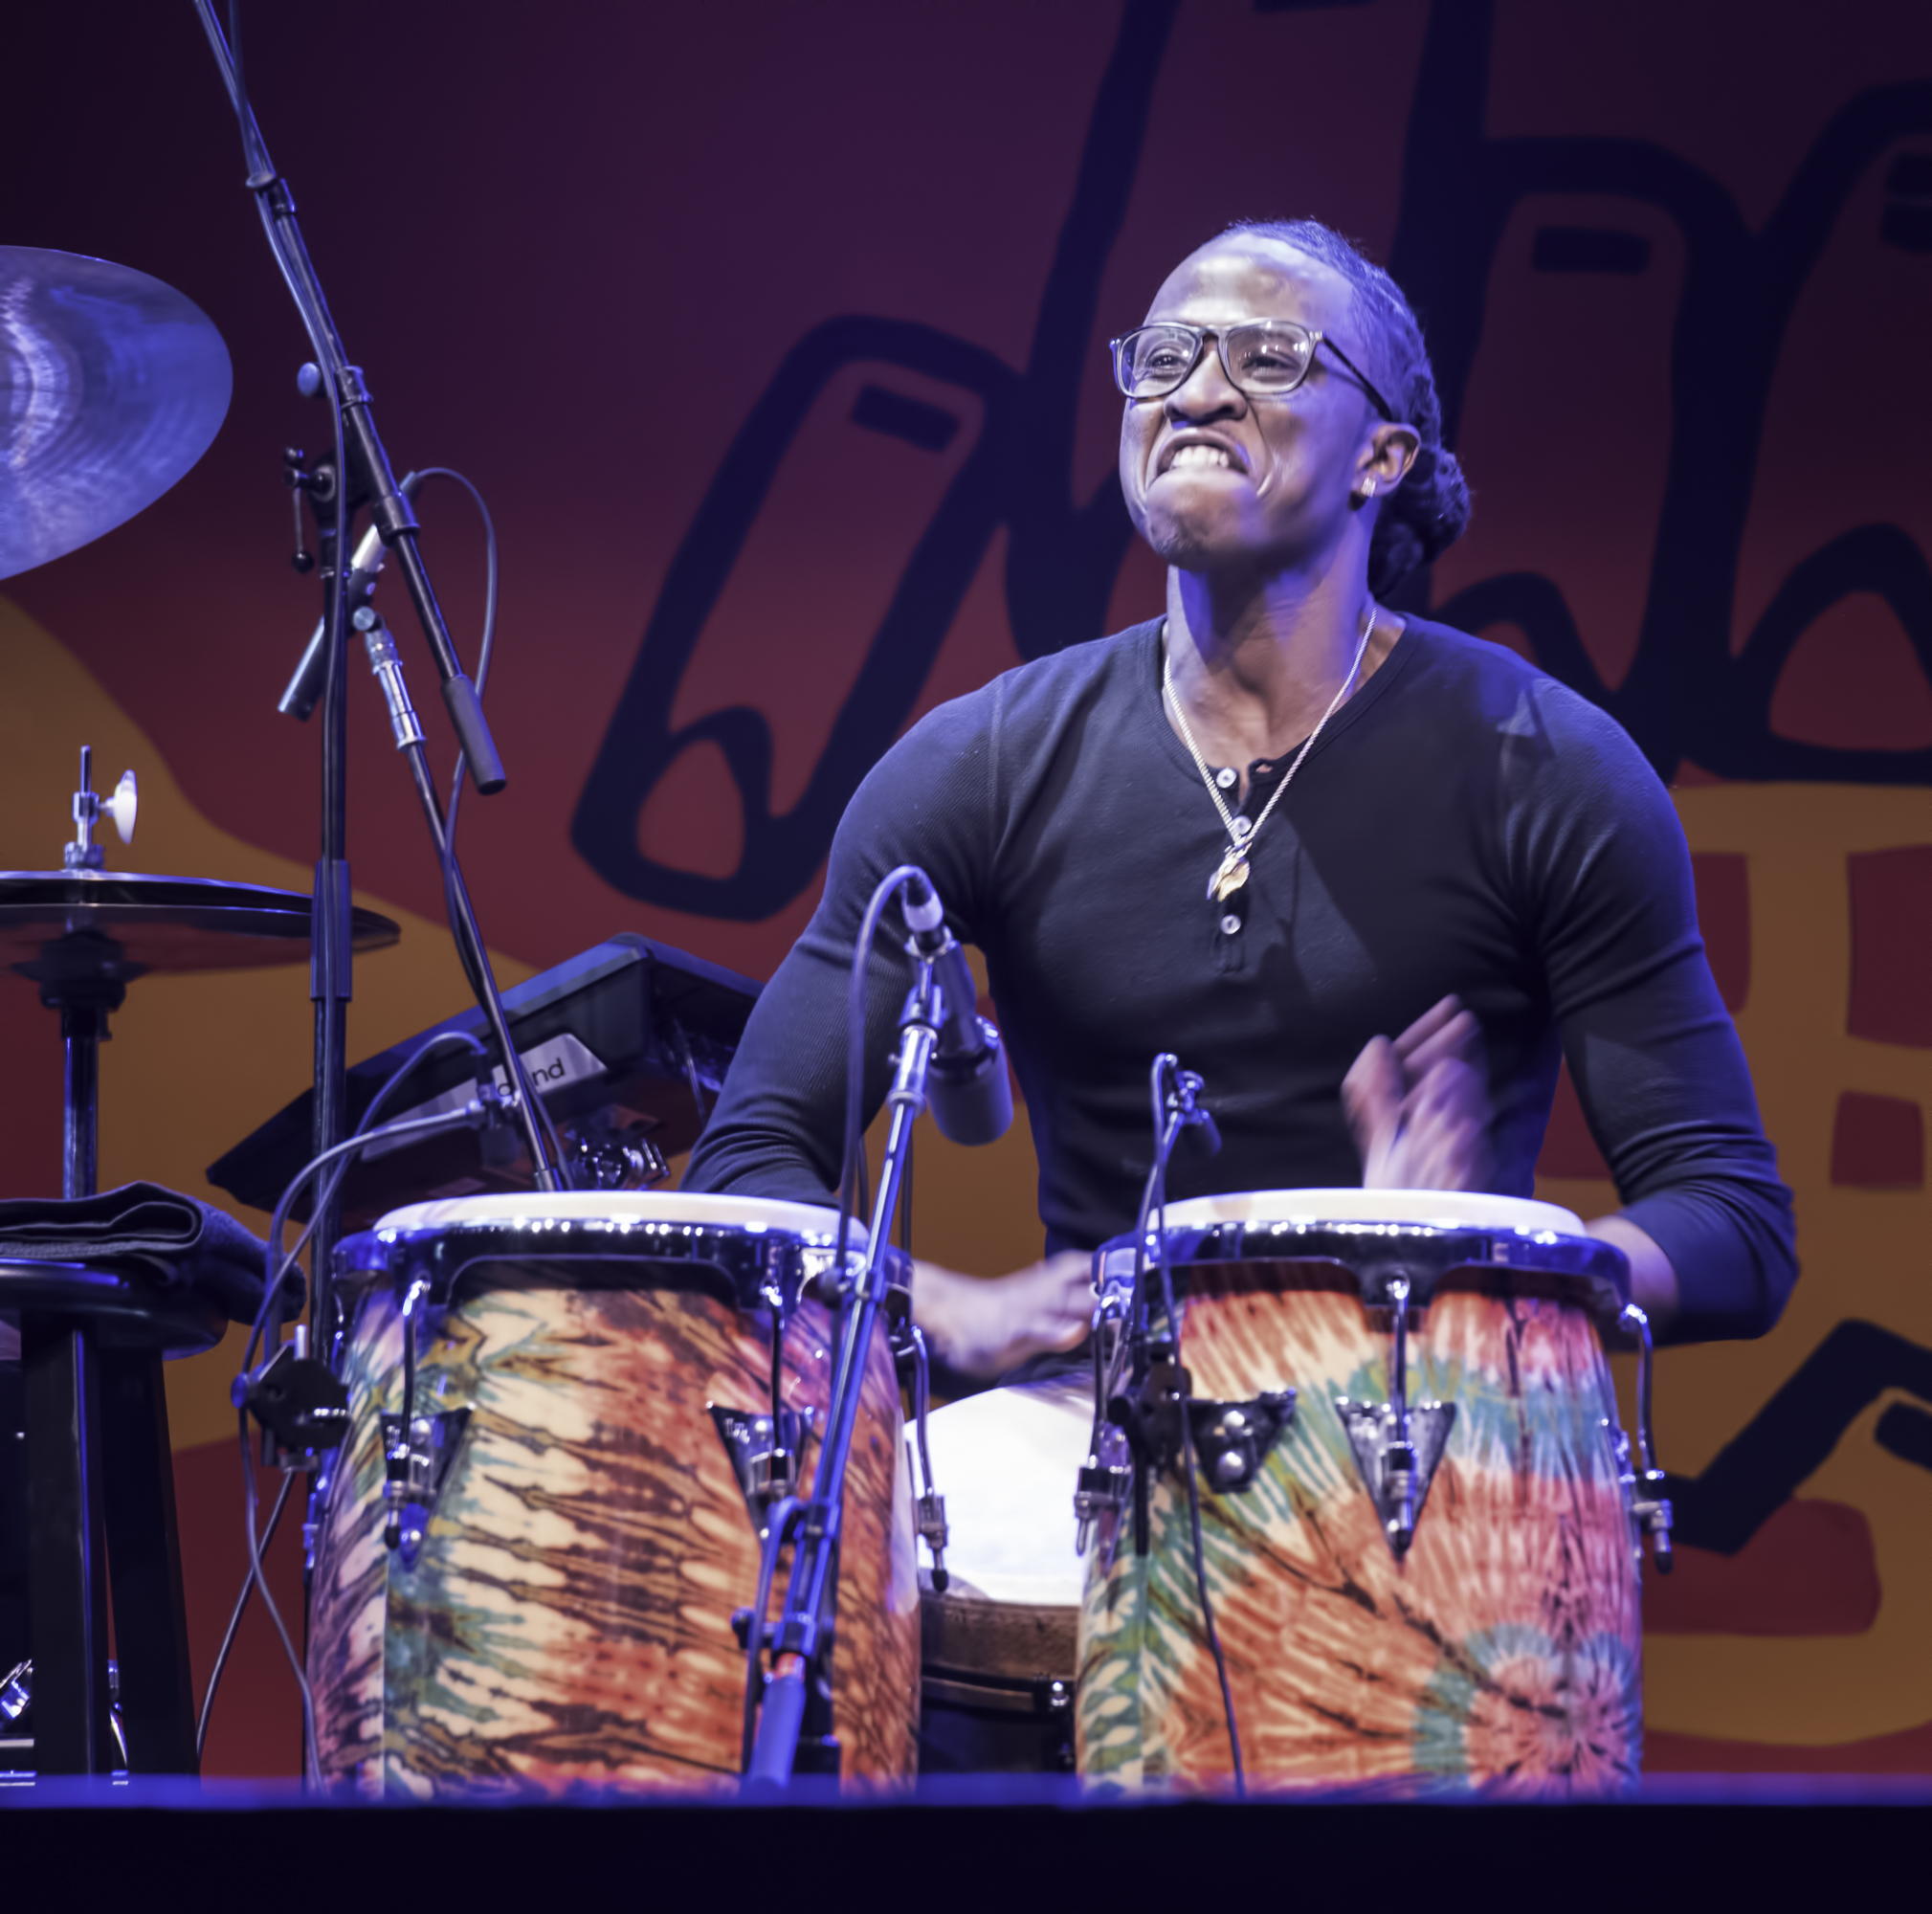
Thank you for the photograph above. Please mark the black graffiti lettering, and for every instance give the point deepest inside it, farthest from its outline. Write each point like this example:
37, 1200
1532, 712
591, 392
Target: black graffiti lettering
1790, 1439
1685, 695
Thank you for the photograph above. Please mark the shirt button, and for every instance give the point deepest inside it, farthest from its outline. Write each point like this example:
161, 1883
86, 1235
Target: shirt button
1225, 778
1229, 924
1242, 826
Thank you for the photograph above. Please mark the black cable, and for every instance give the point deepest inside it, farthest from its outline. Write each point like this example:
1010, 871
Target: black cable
485, 652
260, 1577
850, 1174
351, 1147
279, 1222
851, 1168
269, 1290
274, 205
235, 1619
1188, 1476
489, 640
1168, 1127
315, 323
1208, 1606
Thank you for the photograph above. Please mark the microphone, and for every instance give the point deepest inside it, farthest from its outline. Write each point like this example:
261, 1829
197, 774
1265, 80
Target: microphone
972, 1101
305, 687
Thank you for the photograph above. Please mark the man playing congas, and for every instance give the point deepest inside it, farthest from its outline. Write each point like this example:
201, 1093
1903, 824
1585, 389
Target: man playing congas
1371, 878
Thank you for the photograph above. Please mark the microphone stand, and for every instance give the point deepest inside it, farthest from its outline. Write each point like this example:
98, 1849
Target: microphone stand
363, 471
797, 1695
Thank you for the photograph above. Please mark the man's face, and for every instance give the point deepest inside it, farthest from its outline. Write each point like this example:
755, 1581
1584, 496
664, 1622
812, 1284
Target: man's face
1217, 481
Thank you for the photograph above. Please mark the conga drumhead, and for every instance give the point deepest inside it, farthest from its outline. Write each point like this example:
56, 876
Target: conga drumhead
1439, 1209
619, 1207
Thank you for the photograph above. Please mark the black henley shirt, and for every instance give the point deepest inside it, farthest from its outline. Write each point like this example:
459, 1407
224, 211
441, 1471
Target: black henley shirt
1463, 824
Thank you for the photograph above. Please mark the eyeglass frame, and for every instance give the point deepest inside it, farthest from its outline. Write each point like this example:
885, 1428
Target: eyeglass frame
1219, 335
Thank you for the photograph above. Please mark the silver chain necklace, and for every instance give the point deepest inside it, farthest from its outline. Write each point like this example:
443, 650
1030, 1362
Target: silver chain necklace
1232, 873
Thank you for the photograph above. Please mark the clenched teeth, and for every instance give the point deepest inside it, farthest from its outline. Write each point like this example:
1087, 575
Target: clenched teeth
1211, 457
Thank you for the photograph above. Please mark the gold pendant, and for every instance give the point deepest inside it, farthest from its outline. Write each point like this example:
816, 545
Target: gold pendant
1231, 875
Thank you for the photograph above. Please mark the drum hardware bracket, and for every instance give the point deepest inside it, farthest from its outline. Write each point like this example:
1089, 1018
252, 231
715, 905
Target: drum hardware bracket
415, 1466
302, 1407
603, 1157
766, 1463
1151, 1417
1397, 1444
1100, 1490
1233, 1439
1650, 1507
84, 854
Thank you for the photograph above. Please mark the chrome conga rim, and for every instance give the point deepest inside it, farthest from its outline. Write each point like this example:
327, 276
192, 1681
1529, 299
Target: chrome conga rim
751, 1252
1380, 1235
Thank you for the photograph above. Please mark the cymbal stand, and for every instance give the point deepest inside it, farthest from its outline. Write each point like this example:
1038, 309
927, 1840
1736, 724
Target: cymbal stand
795, 1724
361, 472
85, 978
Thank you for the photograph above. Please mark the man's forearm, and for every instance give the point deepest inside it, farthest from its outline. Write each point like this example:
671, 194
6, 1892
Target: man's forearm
1654, 1282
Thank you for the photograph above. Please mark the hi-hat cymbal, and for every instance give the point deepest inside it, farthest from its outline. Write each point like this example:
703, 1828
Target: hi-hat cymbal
112, 385
124, 923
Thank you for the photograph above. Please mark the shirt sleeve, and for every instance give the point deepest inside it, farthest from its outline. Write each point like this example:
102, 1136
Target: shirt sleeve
778, 1127
1653, 1053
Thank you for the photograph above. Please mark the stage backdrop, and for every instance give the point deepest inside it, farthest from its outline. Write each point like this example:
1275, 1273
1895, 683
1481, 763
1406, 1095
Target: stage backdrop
775, 335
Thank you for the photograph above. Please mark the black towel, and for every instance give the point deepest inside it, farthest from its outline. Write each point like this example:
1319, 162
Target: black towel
155, 1235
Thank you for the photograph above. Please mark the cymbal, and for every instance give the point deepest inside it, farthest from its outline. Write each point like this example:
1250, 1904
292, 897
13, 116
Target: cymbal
112, 385
124, 923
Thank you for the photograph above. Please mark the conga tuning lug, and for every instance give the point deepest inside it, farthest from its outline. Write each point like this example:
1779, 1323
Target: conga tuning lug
1396, 1473
764, 1461
415, 1469
1650, 1507
932, 1528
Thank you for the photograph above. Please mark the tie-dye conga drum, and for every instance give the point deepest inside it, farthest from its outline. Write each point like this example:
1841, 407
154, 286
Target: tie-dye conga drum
1416, 1589
536, 1590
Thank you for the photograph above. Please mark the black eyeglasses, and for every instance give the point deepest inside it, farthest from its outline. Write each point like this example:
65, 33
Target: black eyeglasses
1262, 357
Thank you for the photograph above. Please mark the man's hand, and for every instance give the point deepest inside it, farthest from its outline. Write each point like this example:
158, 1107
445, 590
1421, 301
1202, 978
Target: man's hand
984, 1325
1418, 1107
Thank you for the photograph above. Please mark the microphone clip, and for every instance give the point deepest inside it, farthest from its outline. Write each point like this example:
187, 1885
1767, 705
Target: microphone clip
1184, 1102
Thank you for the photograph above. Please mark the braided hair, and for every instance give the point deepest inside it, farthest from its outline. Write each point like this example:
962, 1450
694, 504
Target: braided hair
1426, 513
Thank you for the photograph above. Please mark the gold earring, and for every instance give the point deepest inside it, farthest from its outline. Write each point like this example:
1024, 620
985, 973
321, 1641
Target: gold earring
1369, 490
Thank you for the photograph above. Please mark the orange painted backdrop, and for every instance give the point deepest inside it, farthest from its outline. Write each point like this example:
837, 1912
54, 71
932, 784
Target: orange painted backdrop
775, 335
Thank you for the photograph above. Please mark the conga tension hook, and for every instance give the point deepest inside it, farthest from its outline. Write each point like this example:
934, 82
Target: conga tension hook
1397, 1444
1650, 1507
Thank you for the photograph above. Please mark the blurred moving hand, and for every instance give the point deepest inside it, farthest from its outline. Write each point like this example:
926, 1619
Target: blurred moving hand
1418, 1107
984, 1325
